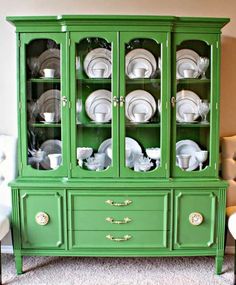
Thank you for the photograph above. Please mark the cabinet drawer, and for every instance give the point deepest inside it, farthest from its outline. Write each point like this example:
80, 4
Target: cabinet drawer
145, 201
117, 220
117, 239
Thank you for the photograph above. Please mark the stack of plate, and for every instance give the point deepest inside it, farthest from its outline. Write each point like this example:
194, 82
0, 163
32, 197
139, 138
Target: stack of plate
49, 101
96, 60
50, 147
139, 101
188, 147
99, 101
50, 59
186, 102
140, 59
186, 59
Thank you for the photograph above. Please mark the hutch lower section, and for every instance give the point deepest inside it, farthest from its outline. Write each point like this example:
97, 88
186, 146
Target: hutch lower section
118, 220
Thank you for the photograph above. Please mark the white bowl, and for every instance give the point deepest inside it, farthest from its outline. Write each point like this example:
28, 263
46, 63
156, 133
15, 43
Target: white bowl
84, 152
153, 152
201, 155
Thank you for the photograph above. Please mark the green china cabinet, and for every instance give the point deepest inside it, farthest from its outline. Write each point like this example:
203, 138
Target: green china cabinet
118, 137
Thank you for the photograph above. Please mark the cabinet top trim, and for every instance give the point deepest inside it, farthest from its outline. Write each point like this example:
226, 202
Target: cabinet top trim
65, 21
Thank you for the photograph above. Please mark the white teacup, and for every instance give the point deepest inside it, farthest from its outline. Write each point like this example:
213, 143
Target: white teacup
189, 117
49, 72
188, 73
48, 117
100, 117
99, 72
55, 160
139, 72
139, 117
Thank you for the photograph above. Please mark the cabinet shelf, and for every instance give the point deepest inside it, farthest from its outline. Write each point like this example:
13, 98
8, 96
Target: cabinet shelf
189, 125
45, 80
128, 125
41, 125
143, 81
193, 81
95, 80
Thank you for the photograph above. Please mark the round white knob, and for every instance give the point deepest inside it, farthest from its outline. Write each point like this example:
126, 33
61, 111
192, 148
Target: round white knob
195, 219
42, 218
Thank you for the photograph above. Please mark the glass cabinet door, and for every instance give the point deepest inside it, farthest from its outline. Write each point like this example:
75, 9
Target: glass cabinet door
144, 123
194, 102
94, 89
43, 103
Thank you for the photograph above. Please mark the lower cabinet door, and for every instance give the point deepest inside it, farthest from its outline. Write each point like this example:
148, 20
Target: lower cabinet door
195, 219
41, 213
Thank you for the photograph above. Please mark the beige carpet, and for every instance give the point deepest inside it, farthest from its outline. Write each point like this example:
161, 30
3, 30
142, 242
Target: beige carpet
117, 271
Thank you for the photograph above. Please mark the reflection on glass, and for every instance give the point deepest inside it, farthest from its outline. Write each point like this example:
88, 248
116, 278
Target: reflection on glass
143, 98
93, 104
43, 104
192, 105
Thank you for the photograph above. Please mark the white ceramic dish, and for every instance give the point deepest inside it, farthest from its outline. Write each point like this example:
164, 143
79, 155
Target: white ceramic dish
99, 63
92, 55
188, 147
186, 102
50, 147
50, 59
141, 94
49, 101
183, 64
139, 62
99, 96
187, 55
100, 106
139, 106
129, 144
140, 53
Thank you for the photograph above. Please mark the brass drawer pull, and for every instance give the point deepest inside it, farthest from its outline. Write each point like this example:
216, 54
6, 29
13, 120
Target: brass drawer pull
64, 101
122, 101
115, 101
113, 221
195, 219
125, 203
125, 238
42, 218
173, 101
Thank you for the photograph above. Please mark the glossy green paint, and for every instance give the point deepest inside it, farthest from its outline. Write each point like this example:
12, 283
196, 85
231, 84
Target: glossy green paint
162, 199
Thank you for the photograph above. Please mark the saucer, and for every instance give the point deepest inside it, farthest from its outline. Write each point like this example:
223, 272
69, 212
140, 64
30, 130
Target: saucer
44, 77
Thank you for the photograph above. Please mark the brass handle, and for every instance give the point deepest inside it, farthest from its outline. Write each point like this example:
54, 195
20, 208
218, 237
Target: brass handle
195, 219
126, 220
125, 238
173, 101
115, 101
122, 101
64, 101
125, 203
42, 218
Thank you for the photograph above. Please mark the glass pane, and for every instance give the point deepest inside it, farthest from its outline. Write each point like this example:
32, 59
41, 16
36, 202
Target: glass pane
93, 104
143, 95
43, 104
193, 101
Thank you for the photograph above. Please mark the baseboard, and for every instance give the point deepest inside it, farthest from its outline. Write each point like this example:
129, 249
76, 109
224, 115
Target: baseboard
7, 249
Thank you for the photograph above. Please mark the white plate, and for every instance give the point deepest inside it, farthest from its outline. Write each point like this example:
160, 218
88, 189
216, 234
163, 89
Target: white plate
96, 53
129, 144
139, 63
140, 94
50, 147
186, 102
188, 147
100, 106
143, 53
187, 54
97, 63
50, 59
49, 101
186, 63
139, 106
96, 95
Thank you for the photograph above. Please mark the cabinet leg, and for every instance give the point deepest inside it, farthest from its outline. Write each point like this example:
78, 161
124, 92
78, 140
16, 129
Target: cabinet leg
18, 262
218, 263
